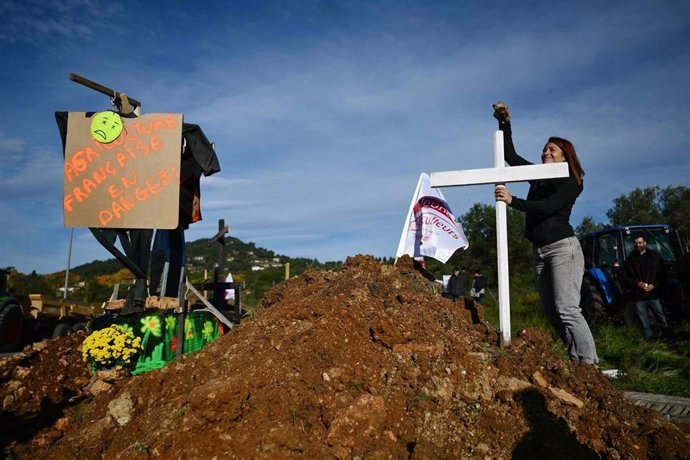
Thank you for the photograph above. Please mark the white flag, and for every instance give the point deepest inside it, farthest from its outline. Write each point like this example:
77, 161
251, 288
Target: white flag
229, 293
430, 228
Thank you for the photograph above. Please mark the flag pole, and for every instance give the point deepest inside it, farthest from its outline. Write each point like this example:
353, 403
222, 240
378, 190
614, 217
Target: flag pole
401, 244
69, 259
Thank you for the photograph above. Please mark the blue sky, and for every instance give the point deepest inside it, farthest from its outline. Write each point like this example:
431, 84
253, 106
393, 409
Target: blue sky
324, 113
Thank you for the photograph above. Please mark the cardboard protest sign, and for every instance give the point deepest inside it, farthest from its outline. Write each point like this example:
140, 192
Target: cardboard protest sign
122, 176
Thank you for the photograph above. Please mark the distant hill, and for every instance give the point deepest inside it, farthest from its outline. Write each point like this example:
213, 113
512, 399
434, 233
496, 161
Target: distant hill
200, 256
257, 268
98, 267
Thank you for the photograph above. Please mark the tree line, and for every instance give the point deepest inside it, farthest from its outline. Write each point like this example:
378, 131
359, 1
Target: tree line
650, 205
93, 282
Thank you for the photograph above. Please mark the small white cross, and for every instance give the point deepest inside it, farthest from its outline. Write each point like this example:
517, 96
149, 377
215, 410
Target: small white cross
499, 175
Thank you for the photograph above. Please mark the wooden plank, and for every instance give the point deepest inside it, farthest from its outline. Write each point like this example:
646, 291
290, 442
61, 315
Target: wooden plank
658, 398
499, 175
676, 408
100, 88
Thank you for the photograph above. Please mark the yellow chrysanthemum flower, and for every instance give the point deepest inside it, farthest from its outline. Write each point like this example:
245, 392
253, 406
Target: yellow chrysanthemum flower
111, 346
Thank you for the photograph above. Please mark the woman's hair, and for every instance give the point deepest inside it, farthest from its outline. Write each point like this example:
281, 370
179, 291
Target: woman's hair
574, 166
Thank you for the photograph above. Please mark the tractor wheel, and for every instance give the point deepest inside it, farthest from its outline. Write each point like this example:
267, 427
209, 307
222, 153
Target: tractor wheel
592, 302
62, 330
11, 320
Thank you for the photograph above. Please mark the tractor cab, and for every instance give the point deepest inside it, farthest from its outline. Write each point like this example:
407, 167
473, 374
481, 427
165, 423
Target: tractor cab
605, 253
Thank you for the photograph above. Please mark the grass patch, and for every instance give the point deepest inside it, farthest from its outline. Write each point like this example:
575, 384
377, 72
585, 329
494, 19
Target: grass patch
524, 312
138, 447
419, 398
659, 366
422, 396
78, 415
252, 311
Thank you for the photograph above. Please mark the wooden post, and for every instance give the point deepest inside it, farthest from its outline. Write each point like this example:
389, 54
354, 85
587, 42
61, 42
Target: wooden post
103, 89
181, 314
287, 271
502, 250
218, 275
221, 251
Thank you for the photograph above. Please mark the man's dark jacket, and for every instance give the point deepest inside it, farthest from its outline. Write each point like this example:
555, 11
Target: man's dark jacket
648, 268
457, 285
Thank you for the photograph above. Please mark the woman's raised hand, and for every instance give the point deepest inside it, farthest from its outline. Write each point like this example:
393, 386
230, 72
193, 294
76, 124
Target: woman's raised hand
501, 112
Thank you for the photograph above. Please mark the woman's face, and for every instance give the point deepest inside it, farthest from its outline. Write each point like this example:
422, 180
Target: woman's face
552, 154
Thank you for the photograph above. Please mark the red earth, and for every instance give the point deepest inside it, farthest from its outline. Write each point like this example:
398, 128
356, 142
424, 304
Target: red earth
366, 362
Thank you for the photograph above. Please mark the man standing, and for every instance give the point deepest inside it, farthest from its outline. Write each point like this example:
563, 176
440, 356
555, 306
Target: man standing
644, 272
457, 284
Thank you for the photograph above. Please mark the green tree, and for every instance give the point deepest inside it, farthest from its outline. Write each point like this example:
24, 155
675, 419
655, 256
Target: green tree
653, 205
479, 225
641, 206
588, 225
33, 283
95, 291
520, 253
675, 202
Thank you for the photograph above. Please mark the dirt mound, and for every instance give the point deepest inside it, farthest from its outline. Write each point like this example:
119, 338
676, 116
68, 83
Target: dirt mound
367, 362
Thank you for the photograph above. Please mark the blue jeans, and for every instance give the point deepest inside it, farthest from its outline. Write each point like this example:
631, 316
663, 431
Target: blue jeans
641, 307
559, 267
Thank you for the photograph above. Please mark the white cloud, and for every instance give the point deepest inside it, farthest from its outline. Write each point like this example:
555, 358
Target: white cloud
324, 114
36, 21
10, 147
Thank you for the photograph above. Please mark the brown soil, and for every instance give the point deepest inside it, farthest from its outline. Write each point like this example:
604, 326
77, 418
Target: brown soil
367, 362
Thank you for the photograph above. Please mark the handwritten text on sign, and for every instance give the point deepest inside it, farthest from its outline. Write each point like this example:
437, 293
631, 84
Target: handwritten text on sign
131, 182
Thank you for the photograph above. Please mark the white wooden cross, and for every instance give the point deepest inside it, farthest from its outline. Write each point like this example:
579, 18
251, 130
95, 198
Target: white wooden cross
499, 175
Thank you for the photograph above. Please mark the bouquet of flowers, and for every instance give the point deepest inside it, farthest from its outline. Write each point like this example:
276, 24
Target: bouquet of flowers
114, 346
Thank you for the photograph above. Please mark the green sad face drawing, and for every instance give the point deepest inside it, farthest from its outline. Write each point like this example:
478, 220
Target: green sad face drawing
106, 126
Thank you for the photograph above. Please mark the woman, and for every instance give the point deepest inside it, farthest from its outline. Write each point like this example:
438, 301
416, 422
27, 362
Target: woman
559, 263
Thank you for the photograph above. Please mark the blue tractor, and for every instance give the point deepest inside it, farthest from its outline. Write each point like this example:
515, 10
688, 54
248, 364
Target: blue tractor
605, 251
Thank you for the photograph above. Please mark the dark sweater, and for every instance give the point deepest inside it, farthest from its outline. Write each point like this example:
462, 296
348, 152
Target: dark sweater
647, 268
457, 285
549, 202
